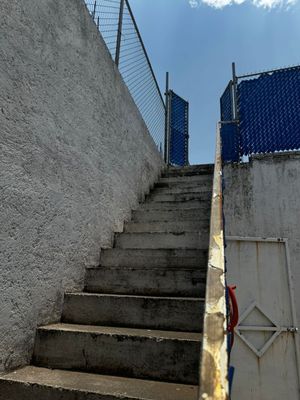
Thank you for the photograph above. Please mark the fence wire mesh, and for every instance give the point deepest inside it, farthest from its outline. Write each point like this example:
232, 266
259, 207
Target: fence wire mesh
268, 111
179, 137
116, 23
226, 103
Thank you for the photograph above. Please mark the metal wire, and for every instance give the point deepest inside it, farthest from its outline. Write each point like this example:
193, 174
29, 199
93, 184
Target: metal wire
130, 55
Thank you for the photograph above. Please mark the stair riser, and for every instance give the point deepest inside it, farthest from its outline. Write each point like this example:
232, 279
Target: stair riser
178, 197
170, 215
187, 180
189, 171
200, 205
157, 282
184, 240
187, 175
179, 192
183, 188
21, 391
168, 360
136, 312
144, 258
174, 227
178, 189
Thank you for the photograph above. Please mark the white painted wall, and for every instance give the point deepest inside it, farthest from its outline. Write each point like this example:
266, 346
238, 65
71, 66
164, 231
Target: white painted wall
75, 159
262, 199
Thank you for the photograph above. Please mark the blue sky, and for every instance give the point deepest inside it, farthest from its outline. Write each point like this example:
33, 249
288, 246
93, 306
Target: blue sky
196, 41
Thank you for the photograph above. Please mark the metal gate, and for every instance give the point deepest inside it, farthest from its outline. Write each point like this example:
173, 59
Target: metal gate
266, 349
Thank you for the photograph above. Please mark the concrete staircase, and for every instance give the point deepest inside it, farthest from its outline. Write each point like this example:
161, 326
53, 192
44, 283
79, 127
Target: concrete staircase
135, 332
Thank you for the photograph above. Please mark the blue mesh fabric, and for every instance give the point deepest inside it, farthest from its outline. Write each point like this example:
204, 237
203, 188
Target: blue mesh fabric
178, 130
230, 142
269, 112
226, 104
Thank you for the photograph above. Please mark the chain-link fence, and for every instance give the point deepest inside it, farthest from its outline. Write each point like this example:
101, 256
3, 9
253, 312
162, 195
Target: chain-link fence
178, 129
226, 103
267, 108
117, 25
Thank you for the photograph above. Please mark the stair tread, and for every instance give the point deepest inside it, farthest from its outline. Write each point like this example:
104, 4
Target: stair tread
197, 205
117, 387
166, 227
148, 258
195, 231
178, 252
205, 169
195, 209
177, 202
110, 330
132, 296
164, 215
186, 179
177, 197
192, 166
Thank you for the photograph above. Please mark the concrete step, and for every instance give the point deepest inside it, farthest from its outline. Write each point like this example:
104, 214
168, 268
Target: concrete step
177, 189
45, 384
137, 353
190, 170
187, 282
161, 240
192, 214
149, 312
169, 226
204, 182
184, 181
149, 258
178, 197
203, 205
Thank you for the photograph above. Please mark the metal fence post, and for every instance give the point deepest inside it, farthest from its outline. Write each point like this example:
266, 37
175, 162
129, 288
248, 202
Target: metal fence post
94, 10
166, 155
234, 81
119, 35
187, 135
235, 110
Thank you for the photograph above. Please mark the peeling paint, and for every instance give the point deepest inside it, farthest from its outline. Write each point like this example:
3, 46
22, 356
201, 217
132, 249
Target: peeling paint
214, 361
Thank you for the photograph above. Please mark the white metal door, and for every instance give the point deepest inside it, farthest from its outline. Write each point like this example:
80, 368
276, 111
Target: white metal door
265, 353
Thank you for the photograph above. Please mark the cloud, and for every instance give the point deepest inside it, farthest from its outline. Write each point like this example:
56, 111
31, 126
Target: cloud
267, 4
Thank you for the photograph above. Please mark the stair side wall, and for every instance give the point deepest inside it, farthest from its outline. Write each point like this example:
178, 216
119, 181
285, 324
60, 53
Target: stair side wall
76, 157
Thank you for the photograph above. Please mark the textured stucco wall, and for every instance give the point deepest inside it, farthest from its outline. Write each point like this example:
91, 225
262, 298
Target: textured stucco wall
75, 159
262, 199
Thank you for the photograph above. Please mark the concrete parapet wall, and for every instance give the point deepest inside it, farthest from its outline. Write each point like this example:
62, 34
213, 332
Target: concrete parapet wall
76, 157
